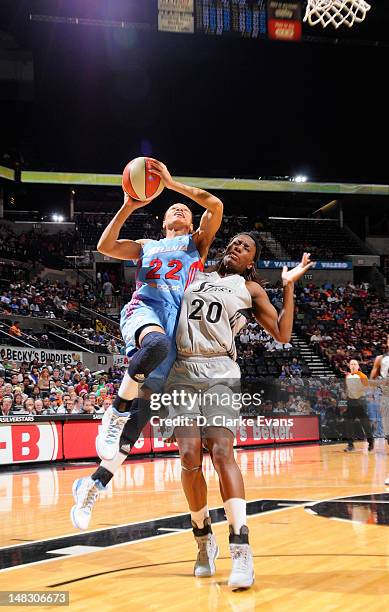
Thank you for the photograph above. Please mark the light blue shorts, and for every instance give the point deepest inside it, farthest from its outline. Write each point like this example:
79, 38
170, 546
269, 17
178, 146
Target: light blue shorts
165, 316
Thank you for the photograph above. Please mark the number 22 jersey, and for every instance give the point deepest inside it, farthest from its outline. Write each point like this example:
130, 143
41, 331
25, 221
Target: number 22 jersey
213, 310
165, 268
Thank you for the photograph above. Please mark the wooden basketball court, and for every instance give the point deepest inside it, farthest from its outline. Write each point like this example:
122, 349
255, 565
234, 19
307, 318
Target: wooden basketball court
308, 555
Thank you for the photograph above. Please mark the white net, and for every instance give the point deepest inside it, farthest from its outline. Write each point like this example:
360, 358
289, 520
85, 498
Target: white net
335, 12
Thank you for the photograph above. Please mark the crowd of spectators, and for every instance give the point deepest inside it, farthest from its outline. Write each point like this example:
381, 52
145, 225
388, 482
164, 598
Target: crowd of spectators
35, 245
55, 300
41, 298
47, 389
343, 322
101, 335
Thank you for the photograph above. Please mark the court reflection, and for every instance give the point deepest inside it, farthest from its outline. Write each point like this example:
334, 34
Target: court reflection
43, 487
365, 509
36, 488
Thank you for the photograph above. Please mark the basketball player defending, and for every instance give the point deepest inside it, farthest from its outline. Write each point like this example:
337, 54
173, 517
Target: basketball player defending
213, 311
165, 268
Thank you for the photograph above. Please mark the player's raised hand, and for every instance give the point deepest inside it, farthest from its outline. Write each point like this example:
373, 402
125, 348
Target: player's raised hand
134, 204
291, 276
158, 168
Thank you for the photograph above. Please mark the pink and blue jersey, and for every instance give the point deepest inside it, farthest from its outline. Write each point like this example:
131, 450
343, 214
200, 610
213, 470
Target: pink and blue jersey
165, 268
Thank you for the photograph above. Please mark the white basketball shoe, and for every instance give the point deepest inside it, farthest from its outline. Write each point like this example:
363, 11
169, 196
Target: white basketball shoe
86, 493
242, 572
112, 424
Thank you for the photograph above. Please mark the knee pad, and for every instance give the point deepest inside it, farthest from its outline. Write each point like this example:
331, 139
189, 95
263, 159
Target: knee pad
154, 350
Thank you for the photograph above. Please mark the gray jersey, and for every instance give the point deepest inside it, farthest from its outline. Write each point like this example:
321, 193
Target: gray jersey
213, 311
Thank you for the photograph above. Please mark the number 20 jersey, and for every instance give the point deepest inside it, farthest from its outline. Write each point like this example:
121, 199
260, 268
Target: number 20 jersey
213, 311
166, 267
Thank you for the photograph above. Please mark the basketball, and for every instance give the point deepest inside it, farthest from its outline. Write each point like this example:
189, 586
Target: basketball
137, 180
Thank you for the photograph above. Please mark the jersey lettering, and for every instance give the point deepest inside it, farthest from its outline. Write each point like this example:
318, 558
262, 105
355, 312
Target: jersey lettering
213, 314
155, 265
176, 264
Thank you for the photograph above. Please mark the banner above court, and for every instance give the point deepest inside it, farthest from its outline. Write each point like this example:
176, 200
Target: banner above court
318, 265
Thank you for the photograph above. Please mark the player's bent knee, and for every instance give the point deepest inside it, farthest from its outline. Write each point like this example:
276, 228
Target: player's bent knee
154, 350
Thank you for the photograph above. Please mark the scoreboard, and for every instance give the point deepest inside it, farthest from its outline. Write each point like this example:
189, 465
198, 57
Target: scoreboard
245, 18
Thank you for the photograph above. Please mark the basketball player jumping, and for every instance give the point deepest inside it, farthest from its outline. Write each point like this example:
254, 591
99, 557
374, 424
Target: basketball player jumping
165, 268
213, 311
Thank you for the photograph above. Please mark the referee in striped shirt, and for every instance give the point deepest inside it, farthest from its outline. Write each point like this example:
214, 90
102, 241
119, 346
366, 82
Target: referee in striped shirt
356, 387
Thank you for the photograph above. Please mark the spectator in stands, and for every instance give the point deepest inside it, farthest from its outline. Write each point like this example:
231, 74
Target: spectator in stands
88, 376
78, 405
295, 368
6, 407
27, 406
112, 347
38, 407
316, 336
108, 289
18, 401
27, 385
104, 406
36, 392
81, 385
44, 380
92, 398
46, 405
70, 406
53, 405
14, 381
15, 330
34, 374
88, 407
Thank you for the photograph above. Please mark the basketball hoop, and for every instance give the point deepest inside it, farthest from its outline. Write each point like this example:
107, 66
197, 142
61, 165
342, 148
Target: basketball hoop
335, 12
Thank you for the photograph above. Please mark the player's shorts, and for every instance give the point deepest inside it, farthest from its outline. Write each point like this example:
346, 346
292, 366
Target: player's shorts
208, 388
141, 314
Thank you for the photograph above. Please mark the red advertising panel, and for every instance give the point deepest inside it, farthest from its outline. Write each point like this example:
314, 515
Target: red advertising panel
268, 430
79, 440
30, 441
303, 429
25, 442
258, 431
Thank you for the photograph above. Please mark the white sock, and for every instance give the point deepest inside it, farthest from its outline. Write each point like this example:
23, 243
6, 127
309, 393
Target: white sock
236, 513
198, 516
116, 462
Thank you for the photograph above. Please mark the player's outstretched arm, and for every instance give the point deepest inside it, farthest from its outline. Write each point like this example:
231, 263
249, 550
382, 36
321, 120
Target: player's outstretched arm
212, 217
109, 243
278, 325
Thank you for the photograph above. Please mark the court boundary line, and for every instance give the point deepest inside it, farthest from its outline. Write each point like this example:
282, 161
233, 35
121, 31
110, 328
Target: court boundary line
164, 535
